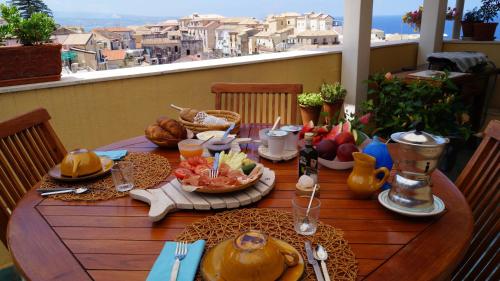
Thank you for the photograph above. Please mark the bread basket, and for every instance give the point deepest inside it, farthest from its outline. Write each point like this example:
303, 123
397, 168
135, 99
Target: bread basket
230, 116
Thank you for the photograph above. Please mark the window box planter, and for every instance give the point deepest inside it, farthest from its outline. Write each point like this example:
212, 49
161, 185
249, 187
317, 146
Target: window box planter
30, 64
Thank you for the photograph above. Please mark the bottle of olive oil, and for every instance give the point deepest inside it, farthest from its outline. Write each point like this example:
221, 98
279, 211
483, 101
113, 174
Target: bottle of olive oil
308, 159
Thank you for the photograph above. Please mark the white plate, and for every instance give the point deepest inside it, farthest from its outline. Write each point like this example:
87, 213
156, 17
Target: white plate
206, 135
383, 198
336, 164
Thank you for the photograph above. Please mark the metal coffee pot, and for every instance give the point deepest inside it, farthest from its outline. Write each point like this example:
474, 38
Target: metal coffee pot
415, 155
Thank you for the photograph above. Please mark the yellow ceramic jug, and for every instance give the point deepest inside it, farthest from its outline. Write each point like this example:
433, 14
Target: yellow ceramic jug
80, 162
363, 178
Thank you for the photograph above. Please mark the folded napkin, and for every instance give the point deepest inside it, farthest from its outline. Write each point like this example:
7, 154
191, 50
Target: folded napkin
112, 154
189, 265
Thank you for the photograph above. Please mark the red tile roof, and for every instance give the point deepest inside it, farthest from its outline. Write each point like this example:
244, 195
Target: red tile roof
114, 54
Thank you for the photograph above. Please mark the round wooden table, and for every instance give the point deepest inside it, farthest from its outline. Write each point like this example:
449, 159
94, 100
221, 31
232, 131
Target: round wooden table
114, 240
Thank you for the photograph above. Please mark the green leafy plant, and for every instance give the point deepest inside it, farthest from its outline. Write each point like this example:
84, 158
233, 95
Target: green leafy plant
310, 99
29, 7
332, 92
489, 10
37, 29
472, 16
396, 105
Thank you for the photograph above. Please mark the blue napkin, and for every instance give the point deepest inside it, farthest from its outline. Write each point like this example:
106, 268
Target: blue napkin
189, 265
112, 154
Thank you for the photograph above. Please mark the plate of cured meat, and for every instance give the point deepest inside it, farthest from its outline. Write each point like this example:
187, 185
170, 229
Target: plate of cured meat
236, 172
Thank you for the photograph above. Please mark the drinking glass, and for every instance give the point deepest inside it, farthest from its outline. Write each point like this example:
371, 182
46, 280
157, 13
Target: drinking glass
122, 173
305, 223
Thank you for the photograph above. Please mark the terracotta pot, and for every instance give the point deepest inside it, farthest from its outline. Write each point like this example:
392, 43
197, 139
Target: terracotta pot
30, 64
484, 31
310, 114
333, 110
467, 29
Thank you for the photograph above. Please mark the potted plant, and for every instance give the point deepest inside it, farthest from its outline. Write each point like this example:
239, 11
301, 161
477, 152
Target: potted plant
484, 30
36, 60
333, 98
396, 105
414, 18
310, 107
468, 21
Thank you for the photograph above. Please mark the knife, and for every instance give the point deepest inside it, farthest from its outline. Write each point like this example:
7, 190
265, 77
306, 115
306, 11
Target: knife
313, 261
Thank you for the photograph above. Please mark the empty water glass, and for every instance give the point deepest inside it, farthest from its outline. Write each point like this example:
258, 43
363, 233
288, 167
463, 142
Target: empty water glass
304, 222
122, 173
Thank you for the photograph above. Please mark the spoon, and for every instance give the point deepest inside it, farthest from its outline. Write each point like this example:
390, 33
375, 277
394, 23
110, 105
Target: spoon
226, 134
305, 223
76, 191
276, 123
211, 137
321, 255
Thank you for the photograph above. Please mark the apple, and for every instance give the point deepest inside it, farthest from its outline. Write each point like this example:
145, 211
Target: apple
344, 137
327, 149
344, 152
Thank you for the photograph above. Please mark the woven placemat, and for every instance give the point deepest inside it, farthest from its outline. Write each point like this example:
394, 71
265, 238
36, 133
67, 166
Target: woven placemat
214, 229
149, 170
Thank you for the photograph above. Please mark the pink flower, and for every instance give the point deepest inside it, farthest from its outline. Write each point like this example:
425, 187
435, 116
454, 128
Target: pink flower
365, 119
388, 76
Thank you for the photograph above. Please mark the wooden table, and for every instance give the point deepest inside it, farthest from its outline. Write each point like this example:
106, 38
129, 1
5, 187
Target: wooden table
114, 240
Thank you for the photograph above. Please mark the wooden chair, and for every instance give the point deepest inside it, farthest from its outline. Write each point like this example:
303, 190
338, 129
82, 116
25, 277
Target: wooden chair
480, 184
29, 147
259, 103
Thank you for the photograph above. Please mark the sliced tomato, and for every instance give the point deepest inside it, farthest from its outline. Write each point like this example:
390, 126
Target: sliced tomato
202, 169
182, 173
195, 161
224, 169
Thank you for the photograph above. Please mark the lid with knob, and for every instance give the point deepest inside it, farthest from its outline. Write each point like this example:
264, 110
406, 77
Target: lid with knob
418, 137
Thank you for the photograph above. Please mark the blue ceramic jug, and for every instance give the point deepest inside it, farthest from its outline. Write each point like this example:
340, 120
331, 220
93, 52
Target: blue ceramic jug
379, 151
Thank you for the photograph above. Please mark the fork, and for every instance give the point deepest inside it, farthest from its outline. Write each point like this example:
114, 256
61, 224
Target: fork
214, 172
180, 253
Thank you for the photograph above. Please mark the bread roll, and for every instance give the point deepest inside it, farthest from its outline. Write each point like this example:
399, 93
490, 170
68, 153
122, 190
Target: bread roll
173, 127
158, 133
188, 114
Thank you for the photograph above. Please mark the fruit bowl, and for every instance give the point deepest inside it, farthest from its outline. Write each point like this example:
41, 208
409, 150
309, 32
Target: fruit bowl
335, 164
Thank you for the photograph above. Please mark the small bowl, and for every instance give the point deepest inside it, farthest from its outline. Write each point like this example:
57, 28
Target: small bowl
263, 136
190, 148
213, 146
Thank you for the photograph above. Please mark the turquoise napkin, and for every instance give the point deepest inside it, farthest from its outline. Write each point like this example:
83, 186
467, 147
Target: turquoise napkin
189, 265
112, 154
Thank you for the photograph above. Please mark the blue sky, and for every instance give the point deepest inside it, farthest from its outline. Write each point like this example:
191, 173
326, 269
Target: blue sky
255, 8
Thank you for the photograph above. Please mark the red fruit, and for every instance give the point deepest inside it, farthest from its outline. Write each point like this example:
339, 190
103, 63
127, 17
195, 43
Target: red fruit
346, 127
327, 149
322, 131
309, 127
317, 139
344, 152
344, 137
334, 132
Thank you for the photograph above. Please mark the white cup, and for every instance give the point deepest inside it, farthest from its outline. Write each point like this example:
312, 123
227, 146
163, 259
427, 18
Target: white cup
263, 136
276, 141
292, 140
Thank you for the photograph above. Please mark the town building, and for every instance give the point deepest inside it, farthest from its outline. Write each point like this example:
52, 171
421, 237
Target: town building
313, 21
83, 49
114, 59
114, 38
233, 40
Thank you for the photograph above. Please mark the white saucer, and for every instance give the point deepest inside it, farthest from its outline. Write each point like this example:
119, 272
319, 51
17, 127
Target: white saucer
439, 206
286, 155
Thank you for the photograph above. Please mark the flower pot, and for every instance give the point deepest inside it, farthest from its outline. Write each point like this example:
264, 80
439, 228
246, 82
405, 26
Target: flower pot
333, 110
467, 29
30, 64
484, 31
310, 114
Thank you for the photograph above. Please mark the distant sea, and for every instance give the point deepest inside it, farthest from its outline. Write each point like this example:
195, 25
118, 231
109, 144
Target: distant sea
389, 24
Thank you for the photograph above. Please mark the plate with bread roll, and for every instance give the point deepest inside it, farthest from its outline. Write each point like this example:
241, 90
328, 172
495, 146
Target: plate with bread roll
167, 132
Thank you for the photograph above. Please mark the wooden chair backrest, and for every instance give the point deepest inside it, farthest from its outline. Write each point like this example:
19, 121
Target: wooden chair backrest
480, 184
259, 103
29, 147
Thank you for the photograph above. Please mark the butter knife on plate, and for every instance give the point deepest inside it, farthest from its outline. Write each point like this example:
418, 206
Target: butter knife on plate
313, 261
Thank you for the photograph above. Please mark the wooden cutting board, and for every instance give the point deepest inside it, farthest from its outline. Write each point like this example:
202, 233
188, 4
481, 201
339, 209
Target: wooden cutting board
171, 197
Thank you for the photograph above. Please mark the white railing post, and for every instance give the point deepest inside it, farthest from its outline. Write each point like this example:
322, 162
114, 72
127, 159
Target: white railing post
459, 6
431, 29
356, 50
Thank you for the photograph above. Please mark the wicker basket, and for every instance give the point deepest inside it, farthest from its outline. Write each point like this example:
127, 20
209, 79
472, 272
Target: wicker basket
231, 117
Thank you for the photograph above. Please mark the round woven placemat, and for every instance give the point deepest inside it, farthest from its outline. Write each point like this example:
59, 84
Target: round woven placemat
149, 170
214, 229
